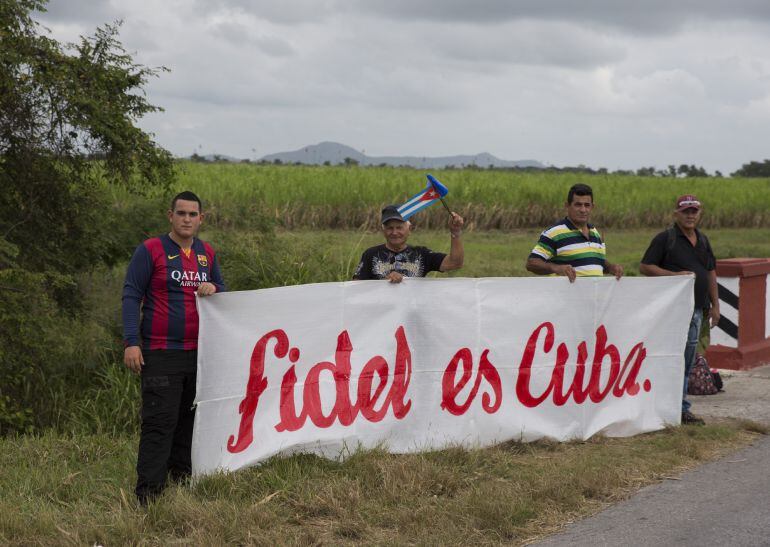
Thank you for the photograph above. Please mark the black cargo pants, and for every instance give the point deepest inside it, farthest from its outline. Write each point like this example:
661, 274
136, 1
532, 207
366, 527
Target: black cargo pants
168, 392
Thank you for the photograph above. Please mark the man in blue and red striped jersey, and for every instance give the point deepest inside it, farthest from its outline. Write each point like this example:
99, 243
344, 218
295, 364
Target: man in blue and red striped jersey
162, 279
573, 247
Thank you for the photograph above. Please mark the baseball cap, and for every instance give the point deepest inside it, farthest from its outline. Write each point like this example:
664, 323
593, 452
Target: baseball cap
390, 212
687, 201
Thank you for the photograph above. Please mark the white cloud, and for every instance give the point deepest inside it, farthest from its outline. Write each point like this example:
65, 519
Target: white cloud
239, 34
288, 13
527, 42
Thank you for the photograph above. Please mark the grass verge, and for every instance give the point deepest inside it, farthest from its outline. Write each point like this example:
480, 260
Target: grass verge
78, 490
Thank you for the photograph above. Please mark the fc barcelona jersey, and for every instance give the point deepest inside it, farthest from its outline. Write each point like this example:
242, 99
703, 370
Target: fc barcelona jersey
162, 280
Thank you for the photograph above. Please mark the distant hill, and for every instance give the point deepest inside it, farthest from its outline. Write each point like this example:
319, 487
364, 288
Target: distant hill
336, 153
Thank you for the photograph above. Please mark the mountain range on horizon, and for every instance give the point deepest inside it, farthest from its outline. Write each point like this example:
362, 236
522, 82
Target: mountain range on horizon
333, 153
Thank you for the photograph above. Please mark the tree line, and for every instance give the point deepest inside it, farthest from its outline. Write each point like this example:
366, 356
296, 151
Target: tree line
750, 170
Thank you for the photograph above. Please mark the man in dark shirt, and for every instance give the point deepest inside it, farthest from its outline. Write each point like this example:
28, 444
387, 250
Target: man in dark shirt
162, 280
395, 259
684, 250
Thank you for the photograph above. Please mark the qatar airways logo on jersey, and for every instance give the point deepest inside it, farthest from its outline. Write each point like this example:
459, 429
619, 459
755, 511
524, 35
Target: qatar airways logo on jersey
189, 279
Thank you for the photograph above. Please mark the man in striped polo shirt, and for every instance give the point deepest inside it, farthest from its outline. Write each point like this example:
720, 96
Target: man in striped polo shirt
163, 279
573, 247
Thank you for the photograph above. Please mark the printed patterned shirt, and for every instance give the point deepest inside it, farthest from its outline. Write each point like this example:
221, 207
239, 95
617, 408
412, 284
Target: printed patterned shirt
162, 279
377, 262
564, 243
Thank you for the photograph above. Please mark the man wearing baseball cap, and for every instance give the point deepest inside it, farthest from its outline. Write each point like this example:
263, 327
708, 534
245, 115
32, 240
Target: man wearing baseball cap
395, 260
682, 249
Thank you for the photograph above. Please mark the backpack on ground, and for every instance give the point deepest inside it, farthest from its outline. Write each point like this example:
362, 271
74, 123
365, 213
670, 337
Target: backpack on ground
717, 379
701, 380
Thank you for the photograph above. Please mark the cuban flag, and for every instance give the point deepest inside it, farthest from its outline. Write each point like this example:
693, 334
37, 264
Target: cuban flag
432, 192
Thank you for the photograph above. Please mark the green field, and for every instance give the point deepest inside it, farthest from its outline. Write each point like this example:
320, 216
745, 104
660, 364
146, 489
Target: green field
350, 197
332, 255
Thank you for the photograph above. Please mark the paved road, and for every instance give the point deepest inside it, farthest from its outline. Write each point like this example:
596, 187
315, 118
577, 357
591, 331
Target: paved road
726, 502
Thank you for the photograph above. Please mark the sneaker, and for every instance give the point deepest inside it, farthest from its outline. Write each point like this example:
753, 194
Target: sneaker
688, 418
178, 477
144, 499
145, 496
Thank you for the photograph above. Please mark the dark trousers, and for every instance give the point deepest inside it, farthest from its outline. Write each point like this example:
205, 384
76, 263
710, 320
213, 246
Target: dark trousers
168, 392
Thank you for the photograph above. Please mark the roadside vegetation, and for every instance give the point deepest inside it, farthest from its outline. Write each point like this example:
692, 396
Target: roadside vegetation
77, 489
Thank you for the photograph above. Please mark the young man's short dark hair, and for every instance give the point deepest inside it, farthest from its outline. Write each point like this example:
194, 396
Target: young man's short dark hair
580, 189
186, 196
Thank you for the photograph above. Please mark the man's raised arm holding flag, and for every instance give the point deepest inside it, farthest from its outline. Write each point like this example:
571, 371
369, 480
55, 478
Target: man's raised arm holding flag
395, 259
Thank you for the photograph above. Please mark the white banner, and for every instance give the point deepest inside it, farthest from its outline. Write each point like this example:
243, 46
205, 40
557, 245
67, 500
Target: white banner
428, 363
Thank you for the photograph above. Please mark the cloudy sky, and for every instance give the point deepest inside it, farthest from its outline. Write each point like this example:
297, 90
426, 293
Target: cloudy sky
604, 83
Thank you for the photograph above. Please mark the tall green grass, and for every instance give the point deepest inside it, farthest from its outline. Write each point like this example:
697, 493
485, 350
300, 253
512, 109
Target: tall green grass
350, 197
